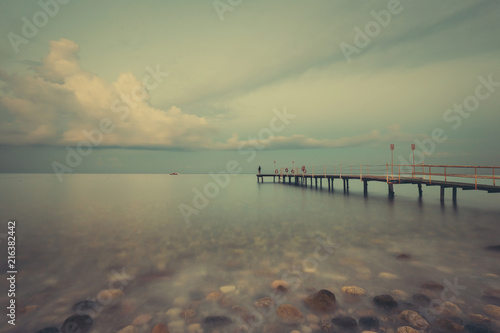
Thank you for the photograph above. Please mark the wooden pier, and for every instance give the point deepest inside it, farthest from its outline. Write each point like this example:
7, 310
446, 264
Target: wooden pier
418, 175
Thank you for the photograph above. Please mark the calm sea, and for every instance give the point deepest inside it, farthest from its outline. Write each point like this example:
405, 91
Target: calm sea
91, 233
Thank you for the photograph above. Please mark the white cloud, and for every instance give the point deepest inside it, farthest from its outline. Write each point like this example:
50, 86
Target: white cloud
62, 102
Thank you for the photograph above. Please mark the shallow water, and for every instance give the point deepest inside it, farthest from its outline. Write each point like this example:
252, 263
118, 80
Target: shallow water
94, 232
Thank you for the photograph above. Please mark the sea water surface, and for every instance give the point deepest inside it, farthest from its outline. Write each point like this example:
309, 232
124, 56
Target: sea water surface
122, 242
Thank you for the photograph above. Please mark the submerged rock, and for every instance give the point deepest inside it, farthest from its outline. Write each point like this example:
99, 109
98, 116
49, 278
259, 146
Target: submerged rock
448, 309
160, 328
110, 296
492, 311
385, 301
141, 319
413, 319
289, 314
345, 322
369, 323
86, 307
354, 290
227, 289
406, 329
493, 248
212, 321
280, 283
479, 318
447, 325
77, 323
403, 256
478, 328
49, 330
126, 329
421, 300
265, 303
431, 285
323, 301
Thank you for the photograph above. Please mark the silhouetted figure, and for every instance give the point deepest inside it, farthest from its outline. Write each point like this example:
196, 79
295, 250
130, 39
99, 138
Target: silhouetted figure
259, 169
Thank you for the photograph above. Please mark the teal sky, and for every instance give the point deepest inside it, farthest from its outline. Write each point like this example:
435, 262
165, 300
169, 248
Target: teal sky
189, 85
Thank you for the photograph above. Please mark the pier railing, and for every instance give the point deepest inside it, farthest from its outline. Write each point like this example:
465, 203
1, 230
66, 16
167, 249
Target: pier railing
392, 172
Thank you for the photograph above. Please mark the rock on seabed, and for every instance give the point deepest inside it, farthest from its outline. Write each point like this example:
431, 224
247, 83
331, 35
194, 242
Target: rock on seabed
323, 301
289, 314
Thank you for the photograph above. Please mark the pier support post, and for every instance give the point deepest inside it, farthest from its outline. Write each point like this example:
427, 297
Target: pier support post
316, 181
420, 190
289, 180
321, 183
391, 190
365, 188
441, 196
328, 184
346, 185
454, 195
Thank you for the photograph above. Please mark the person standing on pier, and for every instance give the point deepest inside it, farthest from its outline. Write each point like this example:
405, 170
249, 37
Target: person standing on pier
259, 169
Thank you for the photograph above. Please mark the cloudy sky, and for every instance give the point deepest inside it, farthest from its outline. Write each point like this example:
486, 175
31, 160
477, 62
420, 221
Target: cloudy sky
171, 85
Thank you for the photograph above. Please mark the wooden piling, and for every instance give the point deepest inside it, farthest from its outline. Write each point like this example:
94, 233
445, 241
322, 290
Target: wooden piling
441, 195
391, 190
454, 195
365, 188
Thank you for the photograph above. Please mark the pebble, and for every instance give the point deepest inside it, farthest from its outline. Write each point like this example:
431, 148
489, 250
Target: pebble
128, 329
430, 285
110, 296
81, 323
306, 329
227, 289
421, 300
448, 325
406, 329
289, 314
399, 294
413, 319
385, 301
322, 302
194, 328
354, 290
49, 330
492, 311
173, 313
369, 323
403, 256
176, 326
345, 322
141, 319
448, 309
265, 303
388, 276
477, 328
160, 328
214, 296
312, 319
478, 318
277, 283
215, 321
493, 248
